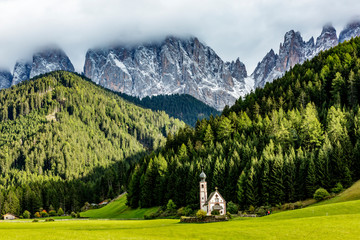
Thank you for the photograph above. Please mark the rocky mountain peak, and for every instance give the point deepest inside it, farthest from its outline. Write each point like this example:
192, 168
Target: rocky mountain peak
291, 51
327, 39
49, 60
351, 30
21, 72
172, 66
264, 69
5, 78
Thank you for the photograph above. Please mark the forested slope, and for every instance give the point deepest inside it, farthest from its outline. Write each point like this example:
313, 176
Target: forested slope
181, 106
277, 145
64, 141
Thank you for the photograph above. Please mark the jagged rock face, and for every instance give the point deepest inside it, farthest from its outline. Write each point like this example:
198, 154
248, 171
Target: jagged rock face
350, 31
237, 70
5, 79
21, 72
293, 51
327, 39
264, 68
50, 60
172, 66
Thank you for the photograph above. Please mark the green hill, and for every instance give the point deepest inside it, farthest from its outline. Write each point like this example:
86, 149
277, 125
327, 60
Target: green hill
65, 141
181, 106
350, 194
117, 209
277, 145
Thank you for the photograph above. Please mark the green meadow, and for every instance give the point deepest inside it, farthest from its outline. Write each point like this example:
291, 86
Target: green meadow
118, 210
331, 221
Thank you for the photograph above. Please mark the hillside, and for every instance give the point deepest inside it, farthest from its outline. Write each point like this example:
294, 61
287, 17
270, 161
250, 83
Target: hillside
277, 145
117, 209
350, 194
181, 106
64, 141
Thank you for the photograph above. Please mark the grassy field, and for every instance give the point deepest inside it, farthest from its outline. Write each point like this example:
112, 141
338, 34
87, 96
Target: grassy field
118, 210
350, 194
332, 221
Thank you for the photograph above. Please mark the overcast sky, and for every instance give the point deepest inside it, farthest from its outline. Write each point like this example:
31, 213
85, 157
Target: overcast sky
247, 29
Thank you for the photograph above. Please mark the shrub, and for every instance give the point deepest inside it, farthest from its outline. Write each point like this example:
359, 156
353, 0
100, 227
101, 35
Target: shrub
201, 214
73, 214
44, 213
232, 208
184, 211
298, 204
171, 206
26, 214
321, 194
37, 215
60, 212
49, 220
52, 213
228, 215
251, 209
35, 220
338, 188
78, 215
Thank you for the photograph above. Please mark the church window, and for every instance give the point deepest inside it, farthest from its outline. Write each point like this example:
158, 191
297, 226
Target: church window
202, 185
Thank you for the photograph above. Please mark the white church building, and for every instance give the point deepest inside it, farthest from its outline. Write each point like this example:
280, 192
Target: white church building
214, 202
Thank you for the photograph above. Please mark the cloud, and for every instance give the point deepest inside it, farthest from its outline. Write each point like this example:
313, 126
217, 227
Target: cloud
245, 29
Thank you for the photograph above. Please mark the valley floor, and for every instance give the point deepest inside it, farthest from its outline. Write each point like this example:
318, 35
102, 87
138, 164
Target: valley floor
309, 223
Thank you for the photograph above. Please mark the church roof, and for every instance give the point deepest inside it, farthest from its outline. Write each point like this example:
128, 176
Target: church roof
211, 195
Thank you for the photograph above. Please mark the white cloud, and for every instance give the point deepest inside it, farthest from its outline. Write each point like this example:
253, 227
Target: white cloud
237, 28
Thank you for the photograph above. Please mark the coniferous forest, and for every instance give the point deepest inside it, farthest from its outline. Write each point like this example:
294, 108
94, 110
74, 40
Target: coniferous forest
182, 106
65, 141
277, 145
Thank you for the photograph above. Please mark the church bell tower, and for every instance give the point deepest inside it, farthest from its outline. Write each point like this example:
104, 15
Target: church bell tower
203, 191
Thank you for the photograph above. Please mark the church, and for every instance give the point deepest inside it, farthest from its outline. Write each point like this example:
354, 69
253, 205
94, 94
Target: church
214, 202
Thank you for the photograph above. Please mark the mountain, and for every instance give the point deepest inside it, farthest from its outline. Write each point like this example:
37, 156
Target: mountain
21, 72
350, 31
181, 106
173, 66
279, 144
294, 50
5, 79
65, 141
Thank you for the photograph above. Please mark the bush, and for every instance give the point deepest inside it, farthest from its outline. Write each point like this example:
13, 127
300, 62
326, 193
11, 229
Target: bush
35, 220
52, 213
37, 215
44, 213
338, 188
60, 212
201, 214
228, 215
251, 209
78, 215
49, 220
232, 208
298, 204
171, 206
321, 194
73, 214
26, 214
184, 211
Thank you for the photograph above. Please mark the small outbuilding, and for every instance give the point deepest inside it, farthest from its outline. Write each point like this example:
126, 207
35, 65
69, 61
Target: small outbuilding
9, 216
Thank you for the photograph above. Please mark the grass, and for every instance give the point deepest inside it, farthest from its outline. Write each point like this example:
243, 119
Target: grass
118, 210
341, 222
350, 194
